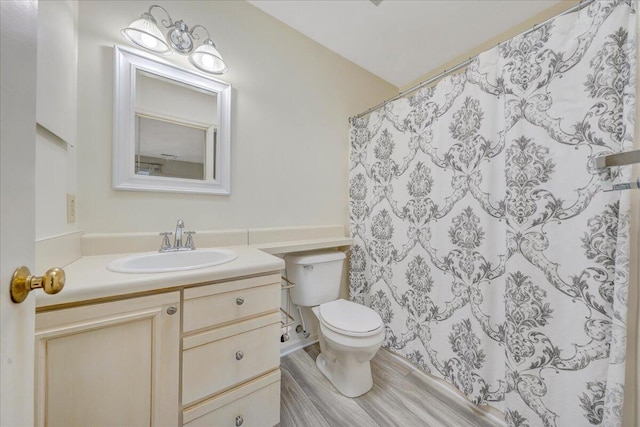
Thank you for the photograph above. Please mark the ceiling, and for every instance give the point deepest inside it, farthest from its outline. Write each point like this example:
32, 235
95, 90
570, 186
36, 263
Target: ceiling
402, 40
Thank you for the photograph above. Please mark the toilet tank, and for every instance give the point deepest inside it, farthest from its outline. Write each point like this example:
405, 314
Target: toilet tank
316, 275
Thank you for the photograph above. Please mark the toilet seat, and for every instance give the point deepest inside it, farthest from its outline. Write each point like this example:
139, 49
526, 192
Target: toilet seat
351, 319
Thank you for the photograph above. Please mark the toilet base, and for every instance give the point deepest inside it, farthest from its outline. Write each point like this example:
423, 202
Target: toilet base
350, 377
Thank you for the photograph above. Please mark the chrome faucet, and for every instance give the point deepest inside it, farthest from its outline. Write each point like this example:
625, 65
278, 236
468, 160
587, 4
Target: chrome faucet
177, 242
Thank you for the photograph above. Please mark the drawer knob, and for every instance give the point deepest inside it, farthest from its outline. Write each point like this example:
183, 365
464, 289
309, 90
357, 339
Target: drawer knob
172, 310
239, 301
239, 355
239, 421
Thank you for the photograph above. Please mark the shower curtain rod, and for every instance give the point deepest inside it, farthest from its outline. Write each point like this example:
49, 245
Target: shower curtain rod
447, 71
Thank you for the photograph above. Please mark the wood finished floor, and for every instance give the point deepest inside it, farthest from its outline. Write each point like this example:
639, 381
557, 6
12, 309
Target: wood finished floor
401, 396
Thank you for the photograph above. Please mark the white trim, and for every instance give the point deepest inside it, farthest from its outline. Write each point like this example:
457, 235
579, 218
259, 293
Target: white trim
208, 129
127, 62
169, 118
57, 236
57, 251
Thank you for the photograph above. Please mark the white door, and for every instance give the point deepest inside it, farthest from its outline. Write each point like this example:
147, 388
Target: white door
18, 37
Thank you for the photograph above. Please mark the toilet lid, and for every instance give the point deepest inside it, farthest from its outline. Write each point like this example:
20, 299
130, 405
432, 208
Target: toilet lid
350, 318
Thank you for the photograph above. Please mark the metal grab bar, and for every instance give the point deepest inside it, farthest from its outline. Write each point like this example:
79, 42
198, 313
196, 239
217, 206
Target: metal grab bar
618, 159
633, 185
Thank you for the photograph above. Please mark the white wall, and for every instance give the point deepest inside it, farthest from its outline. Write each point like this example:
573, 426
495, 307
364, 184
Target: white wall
290, 105
159, 97
55, 177
56, 115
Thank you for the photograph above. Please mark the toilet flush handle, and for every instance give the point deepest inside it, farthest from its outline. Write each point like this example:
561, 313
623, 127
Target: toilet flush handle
308, 267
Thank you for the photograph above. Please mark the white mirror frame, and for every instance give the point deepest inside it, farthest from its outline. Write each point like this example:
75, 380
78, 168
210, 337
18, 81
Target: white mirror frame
127, 63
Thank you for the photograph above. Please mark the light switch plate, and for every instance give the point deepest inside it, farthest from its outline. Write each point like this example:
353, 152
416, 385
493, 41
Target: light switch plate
71, 208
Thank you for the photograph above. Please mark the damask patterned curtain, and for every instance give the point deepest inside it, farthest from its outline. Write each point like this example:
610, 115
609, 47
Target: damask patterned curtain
483, 236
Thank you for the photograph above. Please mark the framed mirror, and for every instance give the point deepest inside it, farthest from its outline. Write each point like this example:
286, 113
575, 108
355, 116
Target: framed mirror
171, 127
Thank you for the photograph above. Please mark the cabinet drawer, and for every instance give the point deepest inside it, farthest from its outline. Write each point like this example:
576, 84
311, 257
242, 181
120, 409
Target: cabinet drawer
259, 408
215, 366
205, 311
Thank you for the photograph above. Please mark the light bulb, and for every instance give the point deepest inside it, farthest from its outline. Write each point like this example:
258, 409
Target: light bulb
207, 61
149, 41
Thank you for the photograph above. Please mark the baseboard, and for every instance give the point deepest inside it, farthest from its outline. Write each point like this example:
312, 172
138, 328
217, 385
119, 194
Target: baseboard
488, 412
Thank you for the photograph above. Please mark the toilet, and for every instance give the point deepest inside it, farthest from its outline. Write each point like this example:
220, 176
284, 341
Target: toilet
350, 334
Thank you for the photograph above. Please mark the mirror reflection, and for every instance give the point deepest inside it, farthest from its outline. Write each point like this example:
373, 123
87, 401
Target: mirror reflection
175, 129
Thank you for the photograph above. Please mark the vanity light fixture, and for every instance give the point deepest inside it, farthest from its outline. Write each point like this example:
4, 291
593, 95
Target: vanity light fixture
145, 33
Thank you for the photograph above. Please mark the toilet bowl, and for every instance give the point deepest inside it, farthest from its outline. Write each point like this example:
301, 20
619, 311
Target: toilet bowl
350, 335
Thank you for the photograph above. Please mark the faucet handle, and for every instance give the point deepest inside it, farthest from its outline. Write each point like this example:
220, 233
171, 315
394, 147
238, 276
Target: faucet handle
166, 244
189, 243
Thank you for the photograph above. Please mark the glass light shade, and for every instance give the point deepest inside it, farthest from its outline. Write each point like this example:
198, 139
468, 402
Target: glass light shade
145, 33
207, 58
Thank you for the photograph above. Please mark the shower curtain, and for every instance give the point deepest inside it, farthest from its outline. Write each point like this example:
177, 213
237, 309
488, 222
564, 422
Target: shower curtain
482, 234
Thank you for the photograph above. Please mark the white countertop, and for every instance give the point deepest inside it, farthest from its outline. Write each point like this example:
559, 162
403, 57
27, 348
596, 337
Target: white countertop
304, 245
88, 278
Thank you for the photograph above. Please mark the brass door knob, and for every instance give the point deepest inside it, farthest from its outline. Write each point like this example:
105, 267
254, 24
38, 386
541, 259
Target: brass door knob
23, 282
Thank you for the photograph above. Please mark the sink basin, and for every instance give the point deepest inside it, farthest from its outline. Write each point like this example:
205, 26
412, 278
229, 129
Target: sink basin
171, 261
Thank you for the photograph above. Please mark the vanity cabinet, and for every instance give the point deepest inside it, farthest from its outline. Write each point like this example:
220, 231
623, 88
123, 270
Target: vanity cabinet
200, 355
109, 364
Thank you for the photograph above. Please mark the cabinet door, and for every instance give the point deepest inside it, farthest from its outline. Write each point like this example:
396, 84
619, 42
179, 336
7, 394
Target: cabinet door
109, 364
